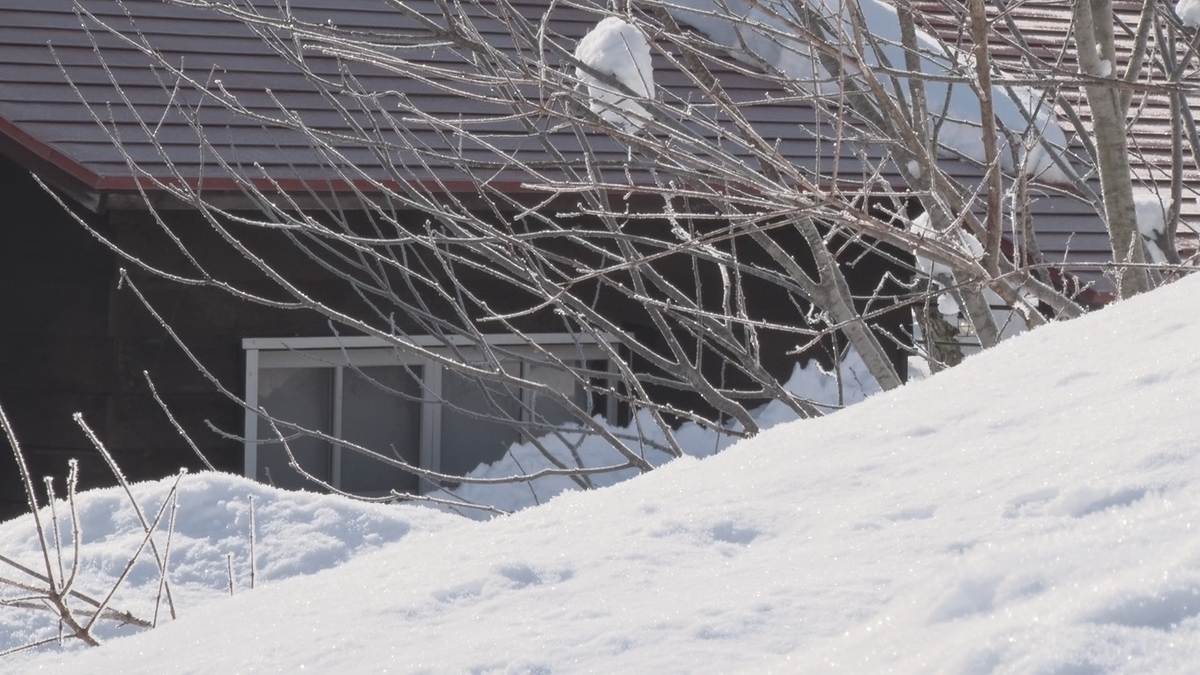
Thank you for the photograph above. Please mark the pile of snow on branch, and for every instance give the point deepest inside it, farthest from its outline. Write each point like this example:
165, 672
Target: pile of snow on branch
617, 49
1152, 224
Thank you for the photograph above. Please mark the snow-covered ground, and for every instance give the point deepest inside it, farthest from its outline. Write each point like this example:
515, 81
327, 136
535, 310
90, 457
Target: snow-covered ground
1031, 511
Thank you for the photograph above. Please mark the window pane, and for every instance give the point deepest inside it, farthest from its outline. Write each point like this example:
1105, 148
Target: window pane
381, 411
471, 439
301, 396
548, 412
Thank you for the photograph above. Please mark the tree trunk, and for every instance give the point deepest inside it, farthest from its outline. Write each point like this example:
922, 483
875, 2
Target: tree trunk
1093, 28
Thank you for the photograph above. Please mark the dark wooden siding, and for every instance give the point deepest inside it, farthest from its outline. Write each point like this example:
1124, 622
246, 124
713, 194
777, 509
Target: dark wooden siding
56, 357
72, 341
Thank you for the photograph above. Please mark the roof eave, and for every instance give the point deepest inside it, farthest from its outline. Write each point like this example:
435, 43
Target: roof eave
54, 168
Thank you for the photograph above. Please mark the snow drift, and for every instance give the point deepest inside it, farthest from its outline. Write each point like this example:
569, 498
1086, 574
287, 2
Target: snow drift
1031, 511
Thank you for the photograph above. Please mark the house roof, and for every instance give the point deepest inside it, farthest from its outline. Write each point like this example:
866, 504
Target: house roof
42, 116
44, 126
1045, 26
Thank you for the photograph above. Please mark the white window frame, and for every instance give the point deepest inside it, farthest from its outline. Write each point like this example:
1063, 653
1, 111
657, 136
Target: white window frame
362, 351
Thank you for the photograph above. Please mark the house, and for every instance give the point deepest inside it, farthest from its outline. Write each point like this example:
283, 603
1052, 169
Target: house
72, 340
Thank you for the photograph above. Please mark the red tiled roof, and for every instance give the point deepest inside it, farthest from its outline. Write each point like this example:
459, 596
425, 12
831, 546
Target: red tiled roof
43, 124
41, 113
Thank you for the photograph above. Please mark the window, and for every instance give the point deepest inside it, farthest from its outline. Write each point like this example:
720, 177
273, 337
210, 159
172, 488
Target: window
362, 391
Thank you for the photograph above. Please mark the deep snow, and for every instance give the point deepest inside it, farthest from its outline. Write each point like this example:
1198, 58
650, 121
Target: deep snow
1031, 511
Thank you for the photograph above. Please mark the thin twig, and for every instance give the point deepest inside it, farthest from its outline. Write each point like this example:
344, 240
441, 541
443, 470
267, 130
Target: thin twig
253, 563
120, 476
162, 577
175, 423
146, 538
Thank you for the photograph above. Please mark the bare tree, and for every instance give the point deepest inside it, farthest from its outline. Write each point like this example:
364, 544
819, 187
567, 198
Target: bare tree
679, 231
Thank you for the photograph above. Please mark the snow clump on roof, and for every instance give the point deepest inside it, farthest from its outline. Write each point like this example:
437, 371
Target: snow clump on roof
1189, 12
763, 34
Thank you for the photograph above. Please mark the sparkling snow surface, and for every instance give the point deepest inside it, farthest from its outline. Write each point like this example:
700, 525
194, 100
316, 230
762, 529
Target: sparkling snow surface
1031, 511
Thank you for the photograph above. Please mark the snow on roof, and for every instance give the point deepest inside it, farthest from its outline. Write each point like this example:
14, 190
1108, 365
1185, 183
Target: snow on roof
44, 125
38, 112
761, 34
1046, 25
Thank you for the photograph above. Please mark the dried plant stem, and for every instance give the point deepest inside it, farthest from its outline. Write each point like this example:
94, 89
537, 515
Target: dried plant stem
76, 530
162, 579
120, 476
55, 594
116, 615
51, 498
253, 565
31, 645
146, 538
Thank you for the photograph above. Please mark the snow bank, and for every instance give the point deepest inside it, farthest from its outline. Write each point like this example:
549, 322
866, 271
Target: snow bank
1030, 511
297, 533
